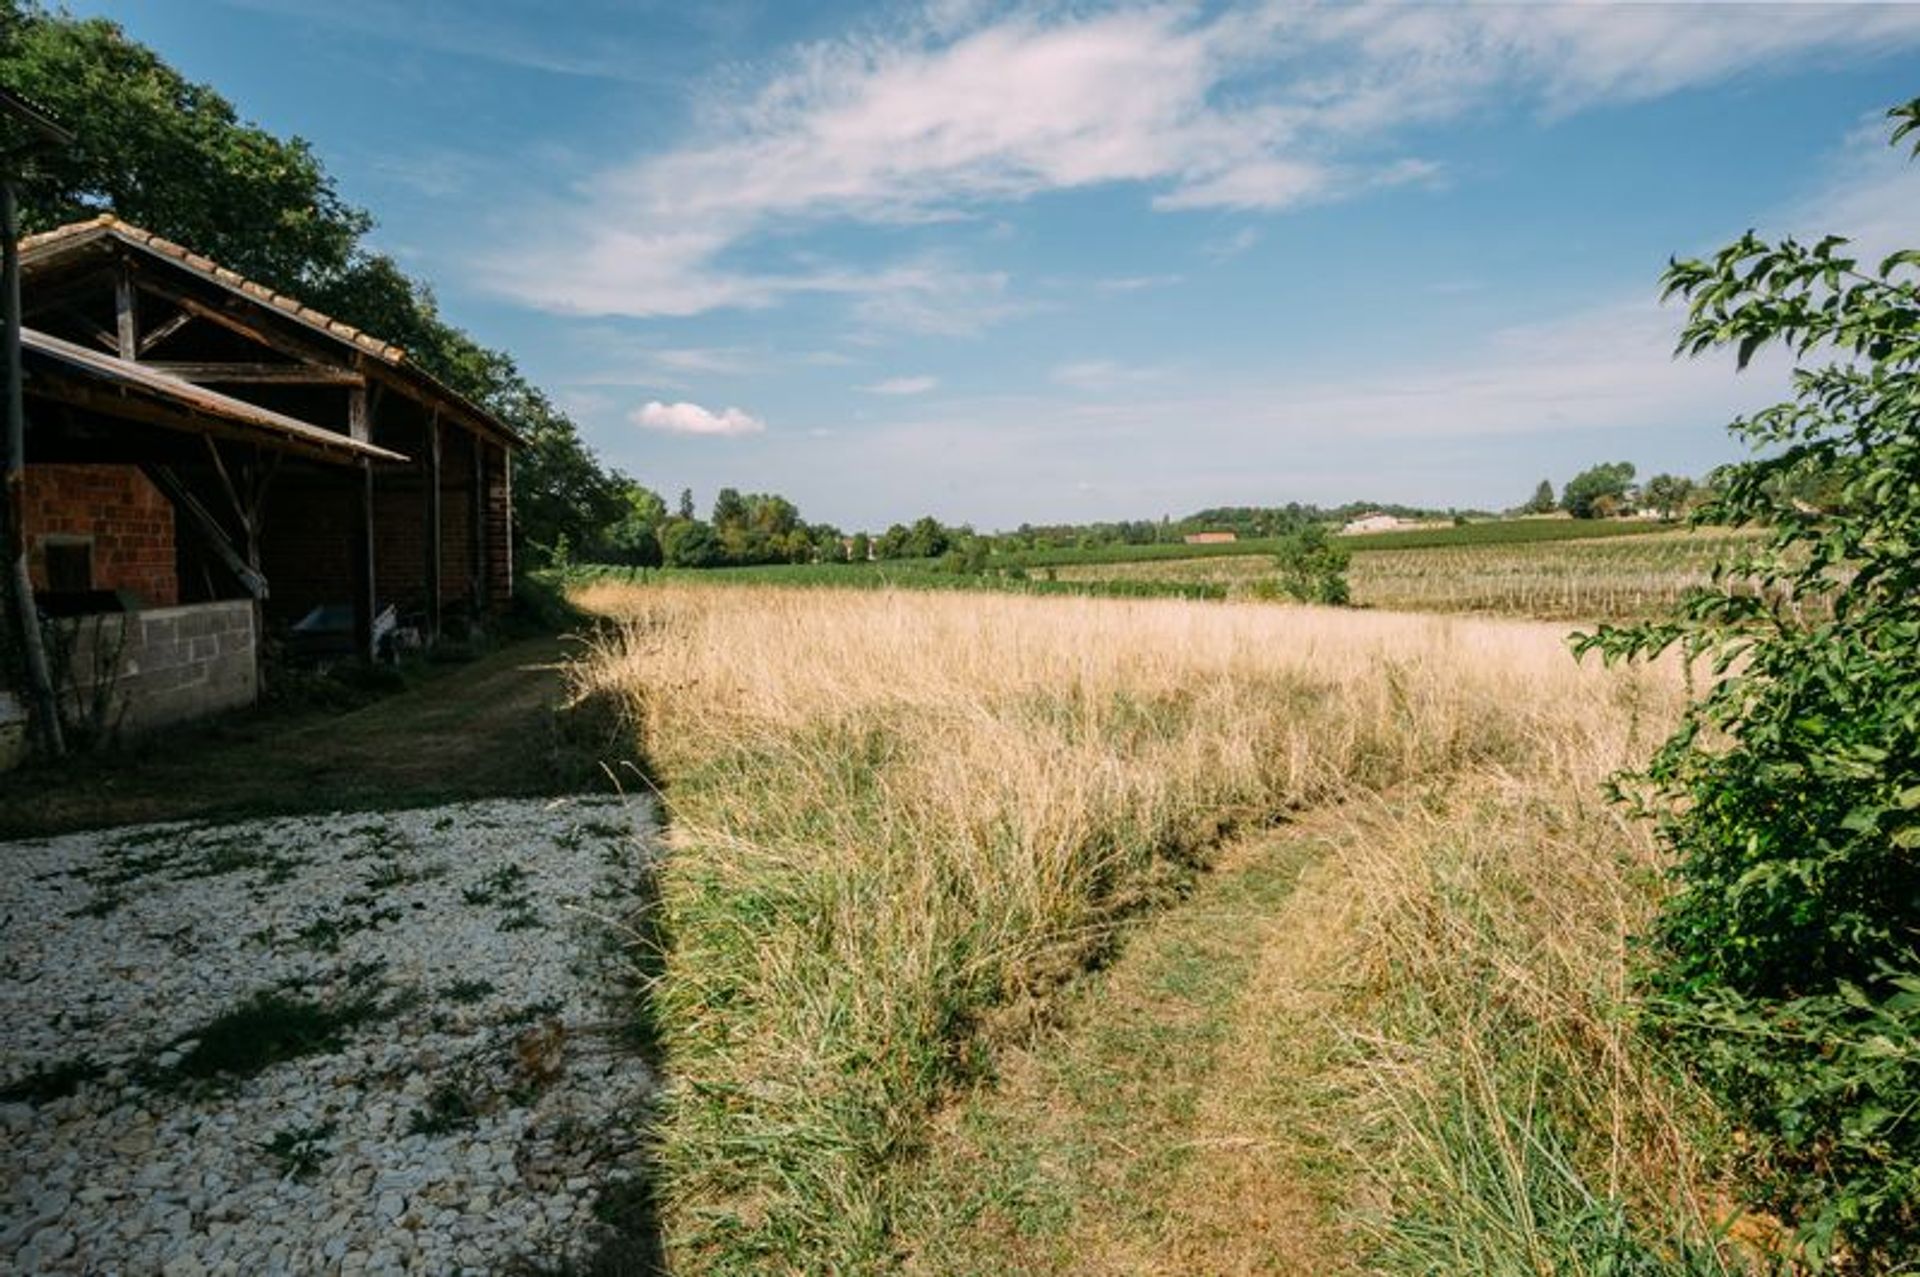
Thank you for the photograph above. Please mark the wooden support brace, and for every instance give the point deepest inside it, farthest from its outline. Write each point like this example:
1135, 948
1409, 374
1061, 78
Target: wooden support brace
163, 330
169, 482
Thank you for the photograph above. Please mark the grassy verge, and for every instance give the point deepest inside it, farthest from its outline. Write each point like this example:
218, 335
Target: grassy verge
902, 821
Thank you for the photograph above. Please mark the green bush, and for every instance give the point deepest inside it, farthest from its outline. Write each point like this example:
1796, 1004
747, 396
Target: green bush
1786, 966
1312, 568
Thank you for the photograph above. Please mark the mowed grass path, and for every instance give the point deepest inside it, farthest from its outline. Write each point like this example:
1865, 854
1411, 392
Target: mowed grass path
1160, 1125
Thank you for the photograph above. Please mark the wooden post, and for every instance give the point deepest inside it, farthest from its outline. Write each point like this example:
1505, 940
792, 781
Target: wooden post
359, 414
126, 319
433, 526
477, 516
26, 616
364, 591
506, 516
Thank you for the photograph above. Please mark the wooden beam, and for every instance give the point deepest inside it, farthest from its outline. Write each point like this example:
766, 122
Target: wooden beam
272, 374
125, 317
163, 330
359, 414
112, 404
432, 460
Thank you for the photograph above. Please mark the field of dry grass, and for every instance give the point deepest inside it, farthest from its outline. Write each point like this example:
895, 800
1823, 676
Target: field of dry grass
1615, 578
902, 822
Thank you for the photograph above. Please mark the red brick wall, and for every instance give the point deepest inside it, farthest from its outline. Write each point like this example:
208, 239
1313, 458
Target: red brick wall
129, 521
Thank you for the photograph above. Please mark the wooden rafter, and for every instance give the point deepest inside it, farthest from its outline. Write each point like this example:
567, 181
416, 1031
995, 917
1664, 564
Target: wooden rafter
268, 374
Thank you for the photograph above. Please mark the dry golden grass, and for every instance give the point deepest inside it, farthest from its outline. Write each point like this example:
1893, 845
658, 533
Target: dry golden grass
900, 819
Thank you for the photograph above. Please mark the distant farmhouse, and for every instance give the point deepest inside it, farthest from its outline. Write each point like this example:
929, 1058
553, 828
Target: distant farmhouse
1373, 521
208, 461
1210, 538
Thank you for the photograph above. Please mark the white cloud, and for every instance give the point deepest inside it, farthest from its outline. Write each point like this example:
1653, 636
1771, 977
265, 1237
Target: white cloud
1101, 375
1227, 247
902, 386
1137, 283
1259, 106
692, 419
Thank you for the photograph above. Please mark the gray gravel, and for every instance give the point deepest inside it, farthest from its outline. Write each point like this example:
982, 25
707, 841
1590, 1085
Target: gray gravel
470, 1087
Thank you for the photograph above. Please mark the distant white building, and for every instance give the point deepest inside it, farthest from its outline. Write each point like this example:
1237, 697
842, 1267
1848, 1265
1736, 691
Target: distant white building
1374, 522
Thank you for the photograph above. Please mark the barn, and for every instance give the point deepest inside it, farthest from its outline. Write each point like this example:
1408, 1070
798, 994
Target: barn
211, 466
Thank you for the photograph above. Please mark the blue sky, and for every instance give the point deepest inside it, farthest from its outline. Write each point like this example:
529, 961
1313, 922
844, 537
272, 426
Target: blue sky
1041, 262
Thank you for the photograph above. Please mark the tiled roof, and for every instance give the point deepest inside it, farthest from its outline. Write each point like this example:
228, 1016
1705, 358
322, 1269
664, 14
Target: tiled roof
107, 225
53, 243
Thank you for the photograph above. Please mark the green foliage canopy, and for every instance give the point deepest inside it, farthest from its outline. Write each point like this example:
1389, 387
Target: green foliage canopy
175, 158
1598, 491
1787, 962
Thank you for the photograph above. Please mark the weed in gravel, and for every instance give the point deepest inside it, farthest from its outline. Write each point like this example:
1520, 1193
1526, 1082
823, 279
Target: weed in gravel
468, 992
450, 1107
506, 881
299, 1151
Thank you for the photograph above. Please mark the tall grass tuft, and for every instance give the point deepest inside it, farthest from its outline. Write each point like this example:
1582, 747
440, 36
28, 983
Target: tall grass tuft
900, 819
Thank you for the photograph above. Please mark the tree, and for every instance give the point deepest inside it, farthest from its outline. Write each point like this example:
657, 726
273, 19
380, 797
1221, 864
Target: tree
861, 549
926, 539
1786, 962
170, 155
686, 503
635, 537
729, 509
1584, 490
1668, 494
1542, 501
689, 543
1312, 568
175, 158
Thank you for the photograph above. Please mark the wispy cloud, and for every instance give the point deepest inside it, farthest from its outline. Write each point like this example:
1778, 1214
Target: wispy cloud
902, 386
1257, 107
1227, 247
692, 419
1101, 376
1137, 283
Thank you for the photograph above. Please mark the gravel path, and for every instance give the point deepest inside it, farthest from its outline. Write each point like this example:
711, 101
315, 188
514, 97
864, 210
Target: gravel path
368, 1043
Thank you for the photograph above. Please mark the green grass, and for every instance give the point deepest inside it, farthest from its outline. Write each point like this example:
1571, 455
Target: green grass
1482, 532
905, 575
1506, 532
1101, 1143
